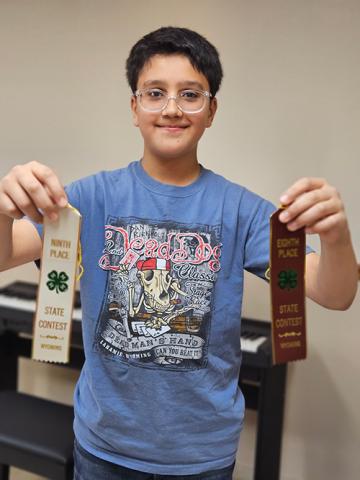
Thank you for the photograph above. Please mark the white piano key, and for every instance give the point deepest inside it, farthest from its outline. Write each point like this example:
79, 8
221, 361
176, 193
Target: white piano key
252, 346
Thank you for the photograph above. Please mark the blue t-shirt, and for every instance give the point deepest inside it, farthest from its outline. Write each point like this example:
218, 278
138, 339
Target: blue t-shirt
161, 300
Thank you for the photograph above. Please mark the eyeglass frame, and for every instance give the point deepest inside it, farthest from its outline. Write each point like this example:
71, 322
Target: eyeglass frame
204, 93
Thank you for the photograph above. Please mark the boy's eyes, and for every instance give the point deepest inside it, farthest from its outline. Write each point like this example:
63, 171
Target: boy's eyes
190, 94
155, 93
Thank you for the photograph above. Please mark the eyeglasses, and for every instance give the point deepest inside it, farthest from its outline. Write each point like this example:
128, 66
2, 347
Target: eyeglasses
188, 101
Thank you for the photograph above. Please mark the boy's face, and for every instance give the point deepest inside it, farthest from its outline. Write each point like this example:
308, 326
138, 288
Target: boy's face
171, 133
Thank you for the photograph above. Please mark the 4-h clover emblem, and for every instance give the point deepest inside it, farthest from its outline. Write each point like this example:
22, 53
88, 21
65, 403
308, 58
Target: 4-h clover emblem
57, 281
287, 279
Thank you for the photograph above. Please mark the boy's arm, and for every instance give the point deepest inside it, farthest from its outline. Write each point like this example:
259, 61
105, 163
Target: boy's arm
33, 190
20, 242
331, 278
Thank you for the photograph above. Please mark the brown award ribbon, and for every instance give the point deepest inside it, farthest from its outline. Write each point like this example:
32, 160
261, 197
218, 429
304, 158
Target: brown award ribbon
287, 284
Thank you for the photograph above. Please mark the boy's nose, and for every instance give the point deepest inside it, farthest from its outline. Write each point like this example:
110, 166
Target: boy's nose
172, 108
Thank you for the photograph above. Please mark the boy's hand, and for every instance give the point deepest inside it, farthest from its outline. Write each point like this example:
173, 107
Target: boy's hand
314, 204
28, 188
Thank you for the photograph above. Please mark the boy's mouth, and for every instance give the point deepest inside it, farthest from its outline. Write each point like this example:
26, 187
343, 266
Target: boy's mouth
173, 128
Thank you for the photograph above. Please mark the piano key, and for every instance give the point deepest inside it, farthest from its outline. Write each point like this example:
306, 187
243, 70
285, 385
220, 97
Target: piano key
252, 345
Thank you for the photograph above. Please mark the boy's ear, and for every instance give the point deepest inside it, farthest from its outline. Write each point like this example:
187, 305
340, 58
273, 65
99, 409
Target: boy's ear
133, 105
212, 111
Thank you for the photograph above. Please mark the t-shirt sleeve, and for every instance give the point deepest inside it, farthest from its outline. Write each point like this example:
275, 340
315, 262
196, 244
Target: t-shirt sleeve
257, 243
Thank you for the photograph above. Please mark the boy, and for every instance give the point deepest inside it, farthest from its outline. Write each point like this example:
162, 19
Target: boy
161, 296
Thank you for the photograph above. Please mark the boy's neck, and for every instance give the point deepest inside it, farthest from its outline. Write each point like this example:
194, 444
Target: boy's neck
179, 172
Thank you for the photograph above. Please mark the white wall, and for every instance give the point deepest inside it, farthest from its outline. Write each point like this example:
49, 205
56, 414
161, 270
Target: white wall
289, 106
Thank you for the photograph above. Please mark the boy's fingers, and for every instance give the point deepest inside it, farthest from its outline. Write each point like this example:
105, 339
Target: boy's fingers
306, 201
314, 214
47, 177
38, 195
15, 211
301, 186
9, 207
24, 203
325, 225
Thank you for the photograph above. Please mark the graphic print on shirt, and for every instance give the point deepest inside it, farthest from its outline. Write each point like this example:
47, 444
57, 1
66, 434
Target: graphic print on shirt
157, 307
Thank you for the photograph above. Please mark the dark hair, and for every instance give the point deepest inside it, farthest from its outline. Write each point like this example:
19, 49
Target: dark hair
202, 55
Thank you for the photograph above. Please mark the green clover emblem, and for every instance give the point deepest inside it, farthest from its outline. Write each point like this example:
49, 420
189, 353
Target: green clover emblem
57, 281
287, 279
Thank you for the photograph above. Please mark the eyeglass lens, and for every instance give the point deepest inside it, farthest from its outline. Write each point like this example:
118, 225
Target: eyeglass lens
188, 100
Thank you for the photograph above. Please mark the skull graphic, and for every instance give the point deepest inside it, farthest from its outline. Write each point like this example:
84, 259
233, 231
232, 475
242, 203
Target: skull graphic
159, 291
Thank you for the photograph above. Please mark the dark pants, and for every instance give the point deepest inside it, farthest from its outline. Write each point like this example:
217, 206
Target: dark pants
89, 467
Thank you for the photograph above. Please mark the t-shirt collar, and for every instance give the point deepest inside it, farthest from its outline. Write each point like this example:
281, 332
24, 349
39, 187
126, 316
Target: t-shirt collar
167, 189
